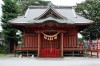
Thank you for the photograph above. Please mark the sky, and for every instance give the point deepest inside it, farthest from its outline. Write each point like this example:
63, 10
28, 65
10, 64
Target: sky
66, 2
0, 7
0, 13
56, 2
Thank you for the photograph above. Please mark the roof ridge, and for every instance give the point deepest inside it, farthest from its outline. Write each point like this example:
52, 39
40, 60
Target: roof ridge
42, 7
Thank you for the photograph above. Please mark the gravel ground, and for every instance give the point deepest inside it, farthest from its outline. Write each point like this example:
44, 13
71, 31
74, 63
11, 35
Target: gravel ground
67, 61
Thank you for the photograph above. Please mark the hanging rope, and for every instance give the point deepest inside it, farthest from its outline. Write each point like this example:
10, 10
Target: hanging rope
51, 47
50, 37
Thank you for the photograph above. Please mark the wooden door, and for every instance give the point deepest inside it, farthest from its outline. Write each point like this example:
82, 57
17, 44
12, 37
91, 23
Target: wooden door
50, 48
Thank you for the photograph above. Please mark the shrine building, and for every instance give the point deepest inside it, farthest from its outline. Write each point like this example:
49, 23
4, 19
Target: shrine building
50, 31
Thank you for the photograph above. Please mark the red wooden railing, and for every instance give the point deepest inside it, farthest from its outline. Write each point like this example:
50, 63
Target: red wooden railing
93, 47
81, 46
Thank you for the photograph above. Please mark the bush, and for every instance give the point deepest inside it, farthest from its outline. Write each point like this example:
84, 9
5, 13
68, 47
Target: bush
2, 49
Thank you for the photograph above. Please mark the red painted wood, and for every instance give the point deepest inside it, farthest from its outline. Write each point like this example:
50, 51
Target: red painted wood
70, 41
50, 53
70, 49
62, 42
50, 48
39, 44
30, 40
93, 47
26, 48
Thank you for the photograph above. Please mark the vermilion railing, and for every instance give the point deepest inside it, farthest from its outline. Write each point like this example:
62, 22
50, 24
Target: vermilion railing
93, 46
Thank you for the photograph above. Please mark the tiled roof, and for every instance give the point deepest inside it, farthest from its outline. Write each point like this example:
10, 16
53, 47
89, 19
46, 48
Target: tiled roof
34, 12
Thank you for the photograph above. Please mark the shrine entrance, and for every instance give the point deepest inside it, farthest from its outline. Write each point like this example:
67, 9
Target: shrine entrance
50, 45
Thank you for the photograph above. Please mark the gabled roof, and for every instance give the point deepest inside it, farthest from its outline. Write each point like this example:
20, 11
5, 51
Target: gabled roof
52, 19
66, 13
51, 9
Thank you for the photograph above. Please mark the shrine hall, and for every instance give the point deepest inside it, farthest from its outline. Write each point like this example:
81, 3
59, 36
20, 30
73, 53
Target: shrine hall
50, 31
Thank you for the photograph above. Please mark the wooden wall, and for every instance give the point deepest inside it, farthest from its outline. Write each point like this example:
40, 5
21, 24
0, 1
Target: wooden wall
47, 43
30, 40
70, 39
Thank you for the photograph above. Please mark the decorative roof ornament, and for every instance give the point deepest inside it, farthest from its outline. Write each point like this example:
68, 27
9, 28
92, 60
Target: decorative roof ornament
50, 4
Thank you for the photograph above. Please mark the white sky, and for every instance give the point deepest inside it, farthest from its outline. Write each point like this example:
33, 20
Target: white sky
56, 2
0, 7
66, 2
0, 14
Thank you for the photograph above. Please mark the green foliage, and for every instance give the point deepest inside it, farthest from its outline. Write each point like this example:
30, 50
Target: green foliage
25, 3
2, 49
10, 11
90, 9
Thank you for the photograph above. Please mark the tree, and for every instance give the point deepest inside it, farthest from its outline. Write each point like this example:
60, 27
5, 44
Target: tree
25, 3
90, 9
10, 11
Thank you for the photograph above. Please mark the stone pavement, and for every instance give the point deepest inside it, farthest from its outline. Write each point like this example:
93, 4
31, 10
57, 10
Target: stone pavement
67, 61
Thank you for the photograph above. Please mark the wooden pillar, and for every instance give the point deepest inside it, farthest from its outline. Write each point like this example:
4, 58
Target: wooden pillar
61, 44
97, 49
97, 54
39, 44
91, 52
24, 37
14, 49
27, 53
14, 46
